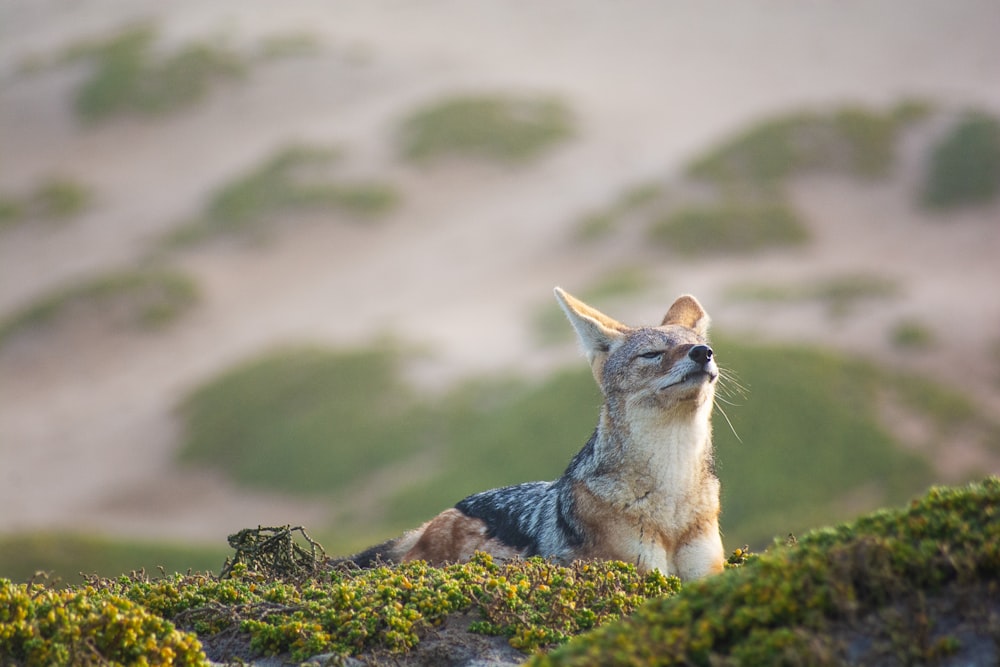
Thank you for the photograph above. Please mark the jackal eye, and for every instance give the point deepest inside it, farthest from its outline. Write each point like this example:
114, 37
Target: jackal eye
656, 354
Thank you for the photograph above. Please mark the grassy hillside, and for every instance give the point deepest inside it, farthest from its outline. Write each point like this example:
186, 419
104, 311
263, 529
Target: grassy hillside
907, 586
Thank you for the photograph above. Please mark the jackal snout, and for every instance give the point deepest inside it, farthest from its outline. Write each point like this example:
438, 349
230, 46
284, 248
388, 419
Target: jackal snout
703, 360
693, 370
701, 354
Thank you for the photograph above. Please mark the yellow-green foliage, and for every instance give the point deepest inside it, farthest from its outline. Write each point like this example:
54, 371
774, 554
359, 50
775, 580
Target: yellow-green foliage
535, 603
876, 576
785, 607
86, 626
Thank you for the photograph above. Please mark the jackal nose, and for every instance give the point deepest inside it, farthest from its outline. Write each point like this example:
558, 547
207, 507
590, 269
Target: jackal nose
700, 354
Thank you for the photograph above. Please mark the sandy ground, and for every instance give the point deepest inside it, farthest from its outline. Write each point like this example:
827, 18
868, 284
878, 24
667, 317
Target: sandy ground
87, 430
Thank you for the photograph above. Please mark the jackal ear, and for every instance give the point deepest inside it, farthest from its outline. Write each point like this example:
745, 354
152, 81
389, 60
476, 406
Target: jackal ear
597, 332
687, 312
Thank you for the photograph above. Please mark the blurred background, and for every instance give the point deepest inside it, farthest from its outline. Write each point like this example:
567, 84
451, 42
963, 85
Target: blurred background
291, 263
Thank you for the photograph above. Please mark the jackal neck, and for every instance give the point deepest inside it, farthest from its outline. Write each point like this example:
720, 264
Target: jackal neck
657, 450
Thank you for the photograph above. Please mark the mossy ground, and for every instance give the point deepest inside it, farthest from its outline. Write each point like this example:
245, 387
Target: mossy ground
534, 604
917, 585
912, 586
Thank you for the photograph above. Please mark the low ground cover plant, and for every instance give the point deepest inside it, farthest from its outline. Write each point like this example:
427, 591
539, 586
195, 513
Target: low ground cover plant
914, 585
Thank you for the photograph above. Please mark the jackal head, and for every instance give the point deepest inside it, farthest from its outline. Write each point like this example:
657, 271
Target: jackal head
665, 367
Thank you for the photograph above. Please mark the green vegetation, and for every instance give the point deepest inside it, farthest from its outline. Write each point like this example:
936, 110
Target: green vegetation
290, 45
854, 140
965, 165
596, 225
130, 76
734, 199
314, 421
306, 420
58, 198
495, 127
911, 335
10, 211
534, 603
55, 198
62, 557
909, 586
491, 434
40, 626
729, 227
914, 585
140, 299
809, 430
296, 179
634, 200
840, 293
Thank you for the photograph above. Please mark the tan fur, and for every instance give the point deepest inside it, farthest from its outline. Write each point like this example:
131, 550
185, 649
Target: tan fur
687, 312
452, 537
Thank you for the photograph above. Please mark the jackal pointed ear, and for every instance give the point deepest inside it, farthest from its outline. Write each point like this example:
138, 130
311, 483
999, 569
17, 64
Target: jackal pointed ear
597, 332
687, 312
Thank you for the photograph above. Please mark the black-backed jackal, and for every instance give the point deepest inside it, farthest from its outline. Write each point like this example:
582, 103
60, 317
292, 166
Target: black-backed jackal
642, 490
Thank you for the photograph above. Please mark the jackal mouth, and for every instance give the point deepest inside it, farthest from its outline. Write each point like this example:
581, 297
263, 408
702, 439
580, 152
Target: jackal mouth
694, 377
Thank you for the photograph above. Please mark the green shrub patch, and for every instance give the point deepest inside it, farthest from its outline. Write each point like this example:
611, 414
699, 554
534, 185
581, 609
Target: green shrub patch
964, 166
495, 127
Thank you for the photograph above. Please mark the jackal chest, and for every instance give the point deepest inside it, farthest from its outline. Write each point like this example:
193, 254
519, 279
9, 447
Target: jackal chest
645, 528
